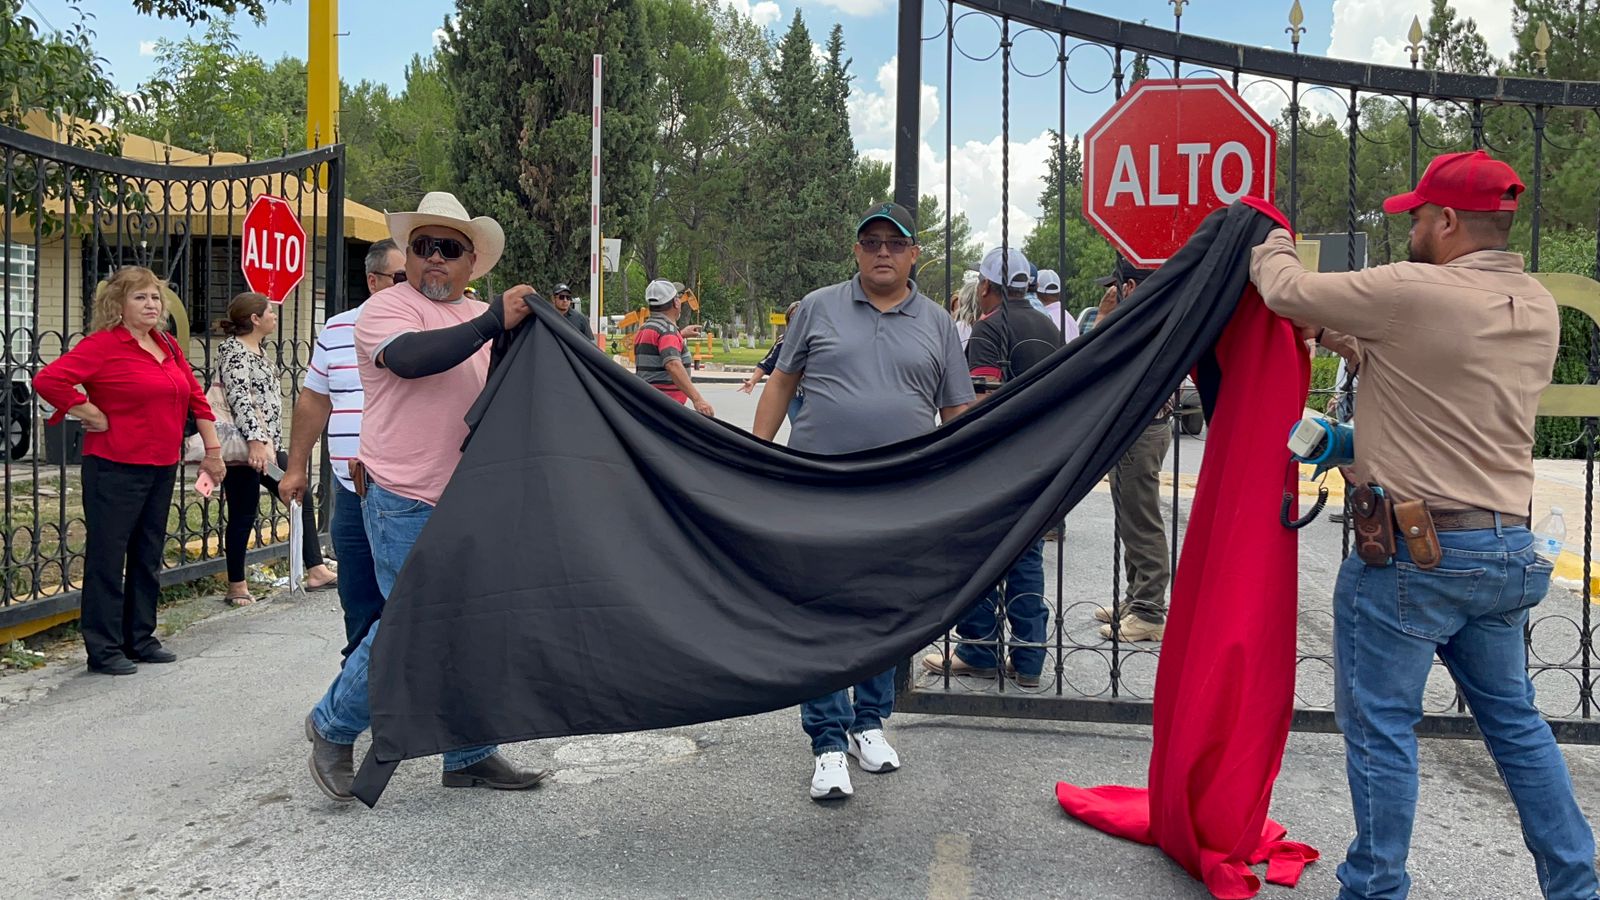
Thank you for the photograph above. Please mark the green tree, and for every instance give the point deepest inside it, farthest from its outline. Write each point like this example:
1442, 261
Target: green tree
1454, 45
1087, 256
965, 249
207, 94
398, 148
58, 73
520, 72
193, 11
802, 227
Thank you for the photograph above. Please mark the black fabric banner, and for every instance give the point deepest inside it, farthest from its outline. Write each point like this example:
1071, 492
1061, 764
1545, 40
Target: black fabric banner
605, 560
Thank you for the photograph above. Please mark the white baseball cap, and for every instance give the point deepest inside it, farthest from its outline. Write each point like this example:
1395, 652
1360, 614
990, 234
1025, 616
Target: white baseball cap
661, 292
1049, 282
1016, 274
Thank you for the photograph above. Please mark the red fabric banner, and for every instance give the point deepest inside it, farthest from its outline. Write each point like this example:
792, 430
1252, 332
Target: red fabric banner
1224, 690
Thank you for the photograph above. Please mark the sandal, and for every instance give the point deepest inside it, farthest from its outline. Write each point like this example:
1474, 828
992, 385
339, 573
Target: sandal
326, 585
238, 600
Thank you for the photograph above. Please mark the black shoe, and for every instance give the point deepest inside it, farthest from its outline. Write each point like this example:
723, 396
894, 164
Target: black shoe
158, 655
495, 772
332, 765
119, 666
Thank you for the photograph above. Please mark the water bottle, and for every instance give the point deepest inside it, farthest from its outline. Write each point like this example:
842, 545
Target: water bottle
1550, 534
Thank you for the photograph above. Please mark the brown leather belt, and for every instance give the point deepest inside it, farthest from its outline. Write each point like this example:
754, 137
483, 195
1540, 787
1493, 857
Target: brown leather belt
1471, 519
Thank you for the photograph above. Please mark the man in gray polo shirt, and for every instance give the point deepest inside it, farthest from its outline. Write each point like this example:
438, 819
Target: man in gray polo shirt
880, 363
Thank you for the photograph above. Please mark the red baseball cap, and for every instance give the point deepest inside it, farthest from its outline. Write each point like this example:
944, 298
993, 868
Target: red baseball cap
1472, 181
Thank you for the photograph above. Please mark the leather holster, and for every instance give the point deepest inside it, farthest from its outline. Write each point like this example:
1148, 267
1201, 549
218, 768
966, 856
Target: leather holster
1416, 528
1372, 514
358, 478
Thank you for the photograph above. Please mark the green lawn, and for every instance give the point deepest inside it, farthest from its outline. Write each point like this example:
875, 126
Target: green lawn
742, 356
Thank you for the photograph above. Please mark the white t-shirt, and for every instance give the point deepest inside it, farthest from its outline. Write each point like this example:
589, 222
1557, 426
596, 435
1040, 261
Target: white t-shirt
1063, 320
335, 374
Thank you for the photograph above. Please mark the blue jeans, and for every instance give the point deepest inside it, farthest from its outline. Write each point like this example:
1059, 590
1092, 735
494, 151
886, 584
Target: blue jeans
1024, 610
1471, 611
393, 523
827, 720
359, 594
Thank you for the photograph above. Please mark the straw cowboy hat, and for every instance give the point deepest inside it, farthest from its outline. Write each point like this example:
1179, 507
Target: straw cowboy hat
440, 208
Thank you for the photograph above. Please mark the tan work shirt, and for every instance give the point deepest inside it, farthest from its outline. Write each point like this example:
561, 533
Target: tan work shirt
1453, 360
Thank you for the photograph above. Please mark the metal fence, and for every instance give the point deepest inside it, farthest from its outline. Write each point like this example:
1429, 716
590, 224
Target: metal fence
72, 217
1375, 127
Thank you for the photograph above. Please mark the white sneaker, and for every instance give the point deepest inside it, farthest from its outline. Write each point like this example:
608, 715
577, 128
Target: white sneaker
831, 780
872, 751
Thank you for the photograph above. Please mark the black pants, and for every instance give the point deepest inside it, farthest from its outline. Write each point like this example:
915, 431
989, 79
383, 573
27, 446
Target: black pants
242, 488
125, 509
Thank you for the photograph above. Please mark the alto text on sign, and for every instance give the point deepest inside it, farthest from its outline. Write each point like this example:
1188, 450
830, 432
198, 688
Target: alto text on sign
274, 252
1166, 155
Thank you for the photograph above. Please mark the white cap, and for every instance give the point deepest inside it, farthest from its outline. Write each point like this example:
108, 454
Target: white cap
1016, 266
661, 292
1049, 282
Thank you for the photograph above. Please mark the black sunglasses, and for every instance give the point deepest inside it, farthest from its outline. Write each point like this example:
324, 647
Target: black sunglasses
448, 248
396, 277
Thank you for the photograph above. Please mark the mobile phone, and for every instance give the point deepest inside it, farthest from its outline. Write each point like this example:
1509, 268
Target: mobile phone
204, 485
272, 470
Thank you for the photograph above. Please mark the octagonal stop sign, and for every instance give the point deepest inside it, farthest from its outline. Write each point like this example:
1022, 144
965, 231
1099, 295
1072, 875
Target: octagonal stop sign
1167, 154
274, 252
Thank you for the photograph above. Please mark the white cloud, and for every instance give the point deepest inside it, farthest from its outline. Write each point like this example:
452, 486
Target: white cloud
147, 48
858, 7
872, 113
975, 165
1374, 31
438, 33
763, 12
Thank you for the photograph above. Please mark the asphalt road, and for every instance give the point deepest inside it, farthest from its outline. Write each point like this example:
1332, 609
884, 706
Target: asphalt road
190, 781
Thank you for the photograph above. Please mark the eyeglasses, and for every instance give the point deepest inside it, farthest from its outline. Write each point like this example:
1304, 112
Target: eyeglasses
448, 248
395, 277
896, 246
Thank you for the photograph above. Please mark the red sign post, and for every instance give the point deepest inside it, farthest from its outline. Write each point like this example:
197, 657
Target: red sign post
1166, 155
274, 257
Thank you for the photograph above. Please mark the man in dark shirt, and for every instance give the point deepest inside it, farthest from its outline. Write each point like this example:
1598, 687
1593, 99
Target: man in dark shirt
1009, 339
1136, 498
562, 301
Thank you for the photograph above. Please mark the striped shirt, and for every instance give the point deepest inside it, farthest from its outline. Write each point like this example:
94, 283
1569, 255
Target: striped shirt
335, 375
657, 343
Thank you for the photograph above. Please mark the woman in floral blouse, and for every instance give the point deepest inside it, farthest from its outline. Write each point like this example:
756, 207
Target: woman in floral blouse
253, 387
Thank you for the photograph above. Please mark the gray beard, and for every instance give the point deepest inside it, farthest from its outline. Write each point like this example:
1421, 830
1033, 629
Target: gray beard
435, 291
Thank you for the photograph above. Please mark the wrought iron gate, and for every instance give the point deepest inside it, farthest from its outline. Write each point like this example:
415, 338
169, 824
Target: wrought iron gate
1378, 124
71, 217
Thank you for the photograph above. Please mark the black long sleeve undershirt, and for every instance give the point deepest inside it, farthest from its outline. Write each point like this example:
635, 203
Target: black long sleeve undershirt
418, 354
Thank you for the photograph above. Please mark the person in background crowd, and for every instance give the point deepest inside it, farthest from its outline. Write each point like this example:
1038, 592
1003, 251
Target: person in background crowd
331, 399
659, 354
1136, 500
769, 363
1053, 308
1011, 338
563, 303
879, 362
251, 382
137, 392
967, 309
423, 349
1456, 347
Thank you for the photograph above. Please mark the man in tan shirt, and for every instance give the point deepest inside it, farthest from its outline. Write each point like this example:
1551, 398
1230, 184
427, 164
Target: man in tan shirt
1455, 348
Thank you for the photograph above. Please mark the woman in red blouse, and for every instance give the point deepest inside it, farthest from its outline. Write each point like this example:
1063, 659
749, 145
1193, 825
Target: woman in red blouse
137, 392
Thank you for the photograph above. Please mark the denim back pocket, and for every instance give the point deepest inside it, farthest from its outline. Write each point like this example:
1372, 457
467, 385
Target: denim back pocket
1435, 602
1535, 585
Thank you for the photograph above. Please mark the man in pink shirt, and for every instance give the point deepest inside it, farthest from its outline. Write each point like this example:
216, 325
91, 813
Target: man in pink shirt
423, 352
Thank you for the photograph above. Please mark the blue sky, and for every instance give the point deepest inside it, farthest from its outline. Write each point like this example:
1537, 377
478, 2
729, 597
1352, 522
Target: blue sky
383, 35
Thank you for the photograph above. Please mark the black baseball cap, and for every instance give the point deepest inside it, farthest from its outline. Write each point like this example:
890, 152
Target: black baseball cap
562, 289
890, 212
1124, 271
